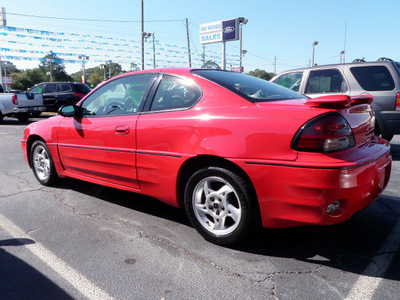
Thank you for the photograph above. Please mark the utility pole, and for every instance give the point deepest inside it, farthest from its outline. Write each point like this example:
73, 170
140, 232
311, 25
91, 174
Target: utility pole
142, 36
154, 52
188, 42
275, 66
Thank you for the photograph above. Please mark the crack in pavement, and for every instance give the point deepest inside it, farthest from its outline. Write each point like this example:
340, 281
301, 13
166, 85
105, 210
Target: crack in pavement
20, 186
272, 275
142, 234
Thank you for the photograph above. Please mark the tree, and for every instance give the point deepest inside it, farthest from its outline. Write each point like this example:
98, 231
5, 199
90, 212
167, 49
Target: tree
261, 74
26, 79
211, 65
53, 68
95, 75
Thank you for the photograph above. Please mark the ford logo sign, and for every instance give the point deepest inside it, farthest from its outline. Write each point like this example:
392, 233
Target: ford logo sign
229, 29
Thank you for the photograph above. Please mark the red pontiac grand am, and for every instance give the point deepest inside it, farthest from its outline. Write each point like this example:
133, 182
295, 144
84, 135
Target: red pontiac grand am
231, 149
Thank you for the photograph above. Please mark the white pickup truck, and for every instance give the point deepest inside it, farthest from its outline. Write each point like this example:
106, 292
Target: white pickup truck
20, 105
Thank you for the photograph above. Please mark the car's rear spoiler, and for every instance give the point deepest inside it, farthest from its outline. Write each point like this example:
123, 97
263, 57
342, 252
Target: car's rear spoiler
339, 101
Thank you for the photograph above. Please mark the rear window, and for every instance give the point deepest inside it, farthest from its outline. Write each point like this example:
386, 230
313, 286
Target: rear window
83, 88
373, 78
251, 88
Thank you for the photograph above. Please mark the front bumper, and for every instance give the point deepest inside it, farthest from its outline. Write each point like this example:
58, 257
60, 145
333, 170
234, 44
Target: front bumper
294, 195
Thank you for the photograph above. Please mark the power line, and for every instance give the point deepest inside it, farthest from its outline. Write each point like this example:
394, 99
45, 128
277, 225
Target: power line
91, 20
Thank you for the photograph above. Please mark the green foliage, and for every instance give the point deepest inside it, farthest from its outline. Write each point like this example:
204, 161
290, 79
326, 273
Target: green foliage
261, 74
53, 68
210, 65
26, 79
96, 75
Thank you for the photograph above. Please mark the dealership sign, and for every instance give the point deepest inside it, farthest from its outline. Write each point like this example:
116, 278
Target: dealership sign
220, 31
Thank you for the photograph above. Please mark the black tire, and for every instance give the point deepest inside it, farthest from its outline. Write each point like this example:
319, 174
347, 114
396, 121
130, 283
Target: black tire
42, 164
23, 117
36, 114
218, 204
1, 117
387, 137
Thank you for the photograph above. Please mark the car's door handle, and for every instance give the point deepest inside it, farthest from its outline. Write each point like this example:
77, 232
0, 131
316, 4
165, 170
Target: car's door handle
121, 129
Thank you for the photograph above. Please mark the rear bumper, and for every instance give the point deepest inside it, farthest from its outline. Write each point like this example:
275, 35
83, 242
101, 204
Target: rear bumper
291, 196
29, 109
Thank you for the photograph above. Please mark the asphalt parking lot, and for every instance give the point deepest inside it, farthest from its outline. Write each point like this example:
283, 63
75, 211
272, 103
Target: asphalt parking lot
82, 240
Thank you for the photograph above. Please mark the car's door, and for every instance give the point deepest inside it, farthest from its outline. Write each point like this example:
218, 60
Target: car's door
50, 94
64, 93
101, 142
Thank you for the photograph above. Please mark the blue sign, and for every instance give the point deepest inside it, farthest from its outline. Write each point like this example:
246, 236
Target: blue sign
229, 30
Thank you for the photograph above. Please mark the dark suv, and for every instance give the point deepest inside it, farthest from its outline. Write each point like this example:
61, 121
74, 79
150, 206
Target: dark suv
56, 94
380, 79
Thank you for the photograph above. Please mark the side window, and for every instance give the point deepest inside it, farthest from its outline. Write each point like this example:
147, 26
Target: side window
64, 88
373, 78
122, 96
290, 80
326, 81
50, 88
37, 89
175, 93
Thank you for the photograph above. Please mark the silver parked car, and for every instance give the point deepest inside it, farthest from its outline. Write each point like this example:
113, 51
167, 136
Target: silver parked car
380, 79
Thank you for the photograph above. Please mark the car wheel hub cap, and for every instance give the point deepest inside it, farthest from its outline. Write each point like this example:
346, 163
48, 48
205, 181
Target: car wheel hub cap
216, 205
41, 162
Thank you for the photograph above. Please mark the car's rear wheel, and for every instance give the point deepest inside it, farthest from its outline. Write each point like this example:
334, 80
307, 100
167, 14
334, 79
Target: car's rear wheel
42, 164
1, 117
218, 204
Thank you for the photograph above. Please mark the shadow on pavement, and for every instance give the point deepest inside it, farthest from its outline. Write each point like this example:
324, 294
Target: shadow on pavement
18, 280
350, 246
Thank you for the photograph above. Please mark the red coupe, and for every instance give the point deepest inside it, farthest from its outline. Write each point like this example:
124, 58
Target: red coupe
233, 150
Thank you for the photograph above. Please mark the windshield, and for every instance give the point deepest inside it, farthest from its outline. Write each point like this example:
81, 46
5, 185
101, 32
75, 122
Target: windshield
251, 88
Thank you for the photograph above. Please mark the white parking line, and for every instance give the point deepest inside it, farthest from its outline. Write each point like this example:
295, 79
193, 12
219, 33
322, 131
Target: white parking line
76, 279
369, 281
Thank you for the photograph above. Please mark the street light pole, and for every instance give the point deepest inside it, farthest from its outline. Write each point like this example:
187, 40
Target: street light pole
242, 21
313, 52
84, 59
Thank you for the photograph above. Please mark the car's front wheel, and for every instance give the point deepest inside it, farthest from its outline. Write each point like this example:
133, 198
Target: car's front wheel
219, 206
42, 164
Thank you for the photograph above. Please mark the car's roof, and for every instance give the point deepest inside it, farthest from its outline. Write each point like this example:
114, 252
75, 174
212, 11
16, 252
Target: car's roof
63, 82
176, 71
354, 63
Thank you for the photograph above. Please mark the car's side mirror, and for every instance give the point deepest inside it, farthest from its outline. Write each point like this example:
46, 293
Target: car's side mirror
68, 110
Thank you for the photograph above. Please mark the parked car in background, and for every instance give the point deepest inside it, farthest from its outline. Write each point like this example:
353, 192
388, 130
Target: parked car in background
381, 79
232, 149
56, 94
20, 105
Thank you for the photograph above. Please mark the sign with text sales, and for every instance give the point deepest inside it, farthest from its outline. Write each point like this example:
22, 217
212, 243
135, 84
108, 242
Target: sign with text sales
220, 31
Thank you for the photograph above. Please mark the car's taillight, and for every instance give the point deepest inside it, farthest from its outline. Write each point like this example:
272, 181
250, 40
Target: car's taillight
15, 99
78, 95
398, 101
327, 133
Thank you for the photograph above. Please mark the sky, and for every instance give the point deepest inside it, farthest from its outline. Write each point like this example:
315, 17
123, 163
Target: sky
281, 30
